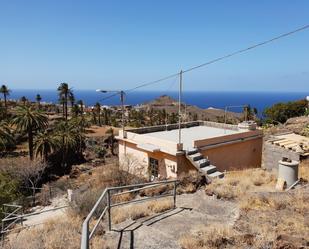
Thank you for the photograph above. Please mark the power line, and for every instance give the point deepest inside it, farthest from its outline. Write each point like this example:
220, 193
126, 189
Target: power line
246, 49
214, 60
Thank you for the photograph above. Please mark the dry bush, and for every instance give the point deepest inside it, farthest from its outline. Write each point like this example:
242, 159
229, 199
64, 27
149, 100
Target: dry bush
190, 182
159, 206
45, 195
84, 201
304, 170
55, 234
136, 211
28, 173
235, 184
217, 236
123, 197
62, 233
297, 201
155, 190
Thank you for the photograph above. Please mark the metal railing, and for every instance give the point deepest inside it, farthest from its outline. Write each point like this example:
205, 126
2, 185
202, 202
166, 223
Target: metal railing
13, 214
105, 200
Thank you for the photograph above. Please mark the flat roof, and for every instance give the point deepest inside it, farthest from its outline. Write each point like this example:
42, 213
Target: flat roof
189, 135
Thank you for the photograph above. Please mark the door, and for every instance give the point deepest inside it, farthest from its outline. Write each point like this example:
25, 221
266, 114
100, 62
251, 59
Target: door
153, 168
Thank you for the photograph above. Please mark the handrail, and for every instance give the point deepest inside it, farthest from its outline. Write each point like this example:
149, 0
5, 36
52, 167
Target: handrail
106, 194
11, 217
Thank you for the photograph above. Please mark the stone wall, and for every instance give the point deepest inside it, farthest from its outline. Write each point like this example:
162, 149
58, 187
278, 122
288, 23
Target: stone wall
273, 153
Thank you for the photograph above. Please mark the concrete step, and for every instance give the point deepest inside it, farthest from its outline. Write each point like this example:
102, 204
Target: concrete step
209, 169
216, 174
203, 162
196, 156
192, 151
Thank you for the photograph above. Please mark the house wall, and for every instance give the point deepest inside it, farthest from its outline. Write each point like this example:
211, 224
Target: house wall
236, 156
273, 153
136, 160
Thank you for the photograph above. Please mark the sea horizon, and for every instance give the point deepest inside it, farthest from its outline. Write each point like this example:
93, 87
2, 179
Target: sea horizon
202, 99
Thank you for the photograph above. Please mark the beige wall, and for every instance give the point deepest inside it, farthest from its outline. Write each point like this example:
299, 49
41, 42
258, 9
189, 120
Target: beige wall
136, 160
245, 154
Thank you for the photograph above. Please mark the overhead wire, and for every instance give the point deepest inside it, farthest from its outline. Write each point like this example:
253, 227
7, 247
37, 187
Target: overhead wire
212, 61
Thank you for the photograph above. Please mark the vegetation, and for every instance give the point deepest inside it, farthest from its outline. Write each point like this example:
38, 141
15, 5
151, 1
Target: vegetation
29, 120
281, 112
6, 136
6, 92
65, 95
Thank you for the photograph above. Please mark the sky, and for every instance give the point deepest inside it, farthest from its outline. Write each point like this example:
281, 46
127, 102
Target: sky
122, 44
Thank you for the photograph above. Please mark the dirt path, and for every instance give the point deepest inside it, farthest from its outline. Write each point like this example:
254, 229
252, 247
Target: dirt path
164, 230
41, 214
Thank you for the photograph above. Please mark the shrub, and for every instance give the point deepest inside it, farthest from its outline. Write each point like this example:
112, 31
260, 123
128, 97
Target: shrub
190, 182
137, 211
217, 236
84, 201
8, 190
281, 112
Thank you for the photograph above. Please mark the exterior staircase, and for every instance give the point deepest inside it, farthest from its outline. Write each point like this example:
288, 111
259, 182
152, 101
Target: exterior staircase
203, 164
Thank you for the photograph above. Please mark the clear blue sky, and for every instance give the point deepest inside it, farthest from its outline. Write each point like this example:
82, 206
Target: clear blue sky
119, 44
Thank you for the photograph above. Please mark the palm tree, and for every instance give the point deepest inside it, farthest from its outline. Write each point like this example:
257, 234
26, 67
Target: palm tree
67, 139
111, 139
97, 107
38, 99
24, 100
6, 92
71, 98
81, 105
27, 119
75, 110
5, 135
44, 144
64, 92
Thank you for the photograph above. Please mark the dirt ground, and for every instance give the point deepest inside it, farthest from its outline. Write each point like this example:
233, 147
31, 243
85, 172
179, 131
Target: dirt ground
164, 230
99, 131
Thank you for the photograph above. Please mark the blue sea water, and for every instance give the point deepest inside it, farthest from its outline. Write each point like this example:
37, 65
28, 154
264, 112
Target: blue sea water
202, 99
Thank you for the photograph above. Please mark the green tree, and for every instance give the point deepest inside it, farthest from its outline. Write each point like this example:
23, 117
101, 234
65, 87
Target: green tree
281, 112
68, 138
80, 103
111, 139
8, 190
71, 98
97, 108
64, 93
75, 110
29, 120
44, 144
6, 137
6, 92
38, 99
24, 100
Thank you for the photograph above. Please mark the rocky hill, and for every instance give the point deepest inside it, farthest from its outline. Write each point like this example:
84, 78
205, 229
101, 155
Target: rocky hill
210, 114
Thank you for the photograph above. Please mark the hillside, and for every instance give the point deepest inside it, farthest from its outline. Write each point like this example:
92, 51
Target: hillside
171, 106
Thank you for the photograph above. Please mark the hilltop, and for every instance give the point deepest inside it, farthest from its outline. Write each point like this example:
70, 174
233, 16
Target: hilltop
170, 105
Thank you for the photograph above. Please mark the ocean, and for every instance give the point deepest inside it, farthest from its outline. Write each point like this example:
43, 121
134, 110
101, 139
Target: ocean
202, 99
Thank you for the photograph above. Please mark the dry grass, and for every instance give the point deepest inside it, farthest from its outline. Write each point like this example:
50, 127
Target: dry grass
136, 211
55, 234
190, 182
208, 237
237, 183
304, 170
156, 190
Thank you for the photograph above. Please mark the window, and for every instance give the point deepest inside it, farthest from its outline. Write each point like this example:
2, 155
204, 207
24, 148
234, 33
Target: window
153, 167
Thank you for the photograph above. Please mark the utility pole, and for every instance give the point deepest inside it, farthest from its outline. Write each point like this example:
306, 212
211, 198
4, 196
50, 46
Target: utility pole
179, 107
122, 111
122, 97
